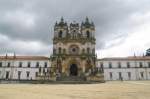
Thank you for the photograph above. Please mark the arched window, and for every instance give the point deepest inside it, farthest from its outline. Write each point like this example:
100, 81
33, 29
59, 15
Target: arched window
88, 34
60, 34
64, 51
88, 50
59, 50
54, 51
83, 50
93, 51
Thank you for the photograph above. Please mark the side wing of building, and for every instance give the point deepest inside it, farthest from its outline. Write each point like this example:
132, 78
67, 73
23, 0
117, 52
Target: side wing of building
23, 67
127, 68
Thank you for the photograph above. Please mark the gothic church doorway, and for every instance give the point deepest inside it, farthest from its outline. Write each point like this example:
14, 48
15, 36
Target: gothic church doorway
73, 70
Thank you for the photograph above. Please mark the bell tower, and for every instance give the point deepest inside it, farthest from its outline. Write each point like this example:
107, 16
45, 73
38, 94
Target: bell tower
88, 29
60, 29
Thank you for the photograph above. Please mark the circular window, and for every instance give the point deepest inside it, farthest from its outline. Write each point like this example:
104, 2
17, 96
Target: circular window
74, 49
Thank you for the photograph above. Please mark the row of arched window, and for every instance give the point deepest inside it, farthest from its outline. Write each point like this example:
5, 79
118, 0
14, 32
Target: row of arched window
60, 34
63, 51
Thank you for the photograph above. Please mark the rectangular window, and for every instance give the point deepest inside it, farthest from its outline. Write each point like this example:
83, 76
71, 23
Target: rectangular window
29, 64
20, 64
7, 74
45, 64
101, 67
110, 65
142, 74
111, 76
101, 64
120, 76
129, 75
8, 65
141, 64
54, 51
0, 64
36, 74
37, 64
128, 64
119, 65
28, 74
19, 75
149, 64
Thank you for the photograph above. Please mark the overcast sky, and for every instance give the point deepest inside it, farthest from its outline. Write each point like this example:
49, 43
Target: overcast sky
122, 26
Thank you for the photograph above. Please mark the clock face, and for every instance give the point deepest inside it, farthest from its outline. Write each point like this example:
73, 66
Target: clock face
74, 49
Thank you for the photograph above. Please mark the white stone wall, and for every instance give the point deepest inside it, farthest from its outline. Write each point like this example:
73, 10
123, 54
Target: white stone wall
14, 68
134, 69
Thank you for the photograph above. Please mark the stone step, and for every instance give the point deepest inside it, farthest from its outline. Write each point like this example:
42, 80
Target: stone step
71, 78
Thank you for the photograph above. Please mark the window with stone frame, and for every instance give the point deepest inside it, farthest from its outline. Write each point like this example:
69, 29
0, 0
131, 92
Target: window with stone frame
20, 64
119, 64
88, 34
0, 64
45, 64
142, 74
19, 75
64, 51
36, 74
128, 64
140, 64
110, 64
7, 74
28, 74
37, 64
88, 50
8, 64
59, 50
129, 75
93, 51
54, 51
101, 66
110, 75
83, 50
60, 34
148, 64
120, 76
29, 64
40, 69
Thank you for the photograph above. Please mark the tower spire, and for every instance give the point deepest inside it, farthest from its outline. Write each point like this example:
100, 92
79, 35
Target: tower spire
62, 19
86, 19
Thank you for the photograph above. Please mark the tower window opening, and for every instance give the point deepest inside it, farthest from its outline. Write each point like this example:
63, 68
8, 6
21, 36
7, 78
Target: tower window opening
64, 51
60, 34
83, 51
88, 34
59, 50
54, 51
88, 50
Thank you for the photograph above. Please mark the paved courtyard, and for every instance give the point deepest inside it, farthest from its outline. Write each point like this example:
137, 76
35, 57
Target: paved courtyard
109, 90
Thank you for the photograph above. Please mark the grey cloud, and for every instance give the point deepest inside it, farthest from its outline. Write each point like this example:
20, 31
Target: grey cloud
111, 18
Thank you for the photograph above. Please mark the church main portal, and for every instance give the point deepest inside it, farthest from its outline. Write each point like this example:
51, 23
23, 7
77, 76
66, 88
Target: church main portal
73, 70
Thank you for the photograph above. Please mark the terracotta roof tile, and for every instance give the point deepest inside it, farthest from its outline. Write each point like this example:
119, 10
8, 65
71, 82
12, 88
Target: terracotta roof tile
23, 58
130, 58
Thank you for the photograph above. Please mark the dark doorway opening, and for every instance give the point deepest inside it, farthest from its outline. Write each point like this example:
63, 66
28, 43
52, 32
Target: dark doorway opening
73, 70
7, 75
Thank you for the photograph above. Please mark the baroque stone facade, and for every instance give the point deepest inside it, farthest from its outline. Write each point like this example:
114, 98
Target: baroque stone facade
74, 48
